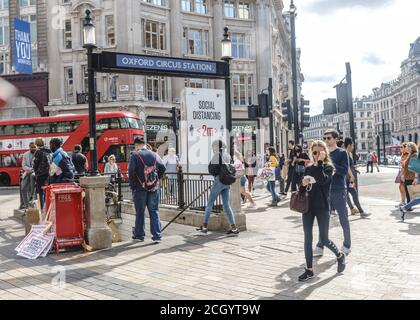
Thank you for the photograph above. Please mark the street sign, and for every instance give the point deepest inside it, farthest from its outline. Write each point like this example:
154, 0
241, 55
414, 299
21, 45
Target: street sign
159, 66
22, 47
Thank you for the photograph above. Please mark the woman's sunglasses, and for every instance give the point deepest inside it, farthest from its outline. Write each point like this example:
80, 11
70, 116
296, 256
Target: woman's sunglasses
315, 153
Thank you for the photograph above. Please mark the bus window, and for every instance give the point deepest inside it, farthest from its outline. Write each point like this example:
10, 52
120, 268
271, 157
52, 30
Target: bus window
9, 160
114, 123
124, 123
119, 151
102, 125
41, 128
7, 130
24, 129
134, 123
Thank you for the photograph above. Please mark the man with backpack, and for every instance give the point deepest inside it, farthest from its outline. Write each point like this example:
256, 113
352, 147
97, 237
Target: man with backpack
144, 171
224, 175
61, 168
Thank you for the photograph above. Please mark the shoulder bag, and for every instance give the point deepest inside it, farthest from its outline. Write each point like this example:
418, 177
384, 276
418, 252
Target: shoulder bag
299, 201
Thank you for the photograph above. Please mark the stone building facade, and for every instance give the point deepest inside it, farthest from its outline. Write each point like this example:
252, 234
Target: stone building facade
398, 102
181, 28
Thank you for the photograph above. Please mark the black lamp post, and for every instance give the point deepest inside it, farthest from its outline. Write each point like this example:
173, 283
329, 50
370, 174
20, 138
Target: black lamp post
227, 57
89, 40
296, 129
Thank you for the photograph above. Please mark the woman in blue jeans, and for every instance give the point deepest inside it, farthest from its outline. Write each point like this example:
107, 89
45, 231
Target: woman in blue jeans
273, 162
220, 157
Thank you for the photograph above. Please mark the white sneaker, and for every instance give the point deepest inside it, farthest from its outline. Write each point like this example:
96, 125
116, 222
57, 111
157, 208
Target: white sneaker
251, 206
345, 250
318, 252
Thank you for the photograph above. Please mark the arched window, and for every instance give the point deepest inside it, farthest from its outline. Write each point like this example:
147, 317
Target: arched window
410, 137
21, 107
416, 137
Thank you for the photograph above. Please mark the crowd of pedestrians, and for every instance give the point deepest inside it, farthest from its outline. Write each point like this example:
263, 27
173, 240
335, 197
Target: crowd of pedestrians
327, 172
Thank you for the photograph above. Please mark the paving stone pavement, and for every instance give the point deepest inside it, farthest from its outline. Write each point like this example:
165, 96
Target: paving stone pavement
262, 263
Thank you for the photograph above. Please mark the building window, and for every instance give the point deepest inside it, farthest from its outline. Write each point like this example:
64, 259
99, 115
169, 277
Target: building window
4, 63
197, 6
67, 35
154, 35
243, 10
68, 85
110, 30
27, 3
237, 9
4, 31
196, 83
32, 20
229, 9
242, 89
195, 42
156, 89
241, 46
4, 4
156, 2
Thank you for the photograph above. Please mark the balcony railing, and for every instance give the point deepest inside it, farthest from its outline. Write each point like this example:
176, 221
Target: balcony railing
83, 98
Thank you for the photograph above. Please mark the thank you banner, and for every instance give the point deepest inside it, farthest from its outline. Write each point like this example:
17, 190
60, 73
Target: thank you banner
22, 47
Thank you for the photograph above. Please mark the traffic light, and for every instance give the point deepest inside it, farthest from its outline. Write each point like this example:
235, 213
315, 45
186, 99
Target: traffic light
263, 103
254, 112
287, 113
174, 118
305, 117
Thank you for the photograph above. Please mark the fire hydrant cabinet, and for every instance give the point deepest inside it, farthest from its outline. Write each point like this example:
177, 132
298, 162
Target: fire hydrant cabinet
66, 214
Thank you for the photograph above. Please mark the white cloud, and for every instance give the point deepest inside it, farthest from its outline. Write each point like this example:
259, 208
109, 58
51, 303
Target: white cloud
374, 38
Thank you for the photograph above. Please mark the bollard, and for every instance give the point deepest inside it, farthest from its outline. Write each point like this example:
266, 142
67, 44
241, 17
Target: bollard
181, 202
119, 181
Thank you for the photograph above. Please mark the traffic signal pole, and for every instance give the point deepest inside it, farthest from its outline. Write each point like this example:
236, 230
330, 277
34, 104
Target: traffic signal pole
270, 110
294, 74
350, 105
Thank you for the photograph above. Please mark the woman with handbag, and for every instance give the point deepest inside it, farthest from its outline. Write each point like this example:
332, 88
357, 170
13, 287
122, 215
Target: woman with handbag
407, 176
299, 162
317, 182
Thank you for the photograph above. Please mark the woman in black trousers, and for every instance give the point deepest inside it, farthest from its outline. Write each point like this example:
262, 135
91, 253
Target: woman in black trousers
321, 170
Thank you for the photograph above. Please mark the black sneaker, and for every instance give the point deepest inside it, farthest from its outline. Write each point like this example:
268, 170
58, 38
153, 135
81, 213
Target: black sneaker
273, 204
283, 193
233, 232
341, 263
308, 274
202, 230
137, 239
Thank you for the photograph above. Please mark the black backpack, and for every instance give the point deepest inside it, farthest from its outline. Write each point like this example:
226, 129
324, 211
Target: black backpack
227, 173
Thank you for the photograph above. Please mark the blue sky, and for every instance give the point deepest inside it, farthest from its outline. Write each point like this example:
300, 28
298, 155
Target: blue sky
373, 35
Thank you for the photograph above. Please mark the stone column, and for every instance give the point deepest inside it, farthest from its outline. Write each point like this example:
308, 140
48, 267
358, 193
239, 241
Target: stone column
98, 235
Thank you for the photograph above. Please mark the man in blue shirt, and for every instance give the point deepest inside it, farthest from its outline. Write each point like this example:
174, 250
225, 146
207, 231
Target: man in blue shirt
338, 191
146, 193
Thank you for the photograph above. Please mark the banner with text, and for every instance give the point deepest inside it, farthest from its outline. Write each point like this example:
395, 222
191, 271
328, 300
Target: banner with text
22, 47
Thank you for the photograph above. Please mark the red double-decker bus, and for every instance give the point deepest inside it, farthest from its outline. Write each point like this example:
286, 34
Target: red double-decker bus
116, 132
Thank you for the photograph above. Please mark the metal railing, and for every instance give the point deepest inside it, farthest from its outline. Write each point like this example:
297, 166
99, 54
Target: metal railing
177, 189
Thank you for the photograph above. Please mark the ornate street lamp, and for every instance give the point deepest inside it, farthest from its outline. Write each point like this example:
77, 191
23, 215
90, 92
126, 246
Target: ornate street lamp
227, 57
89, 40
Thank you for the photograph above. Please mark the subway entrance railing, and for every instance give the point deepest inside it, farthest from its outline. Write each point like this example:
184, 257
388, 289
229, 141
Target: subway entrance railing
177, 189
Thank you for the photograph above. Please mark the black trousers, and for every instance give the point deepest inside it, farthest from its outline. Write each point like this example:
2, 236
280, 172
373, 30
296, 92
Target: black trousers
406, 184
290, 177
369, 164
323, 219
355, 196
